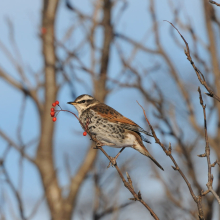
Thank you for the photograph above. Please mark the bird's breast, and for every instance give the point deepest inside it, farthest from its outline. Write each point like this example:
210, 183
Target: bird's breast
102, 127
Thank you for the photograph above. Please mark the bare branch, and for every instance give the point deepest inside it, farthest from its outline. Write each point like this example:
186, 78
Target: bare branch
207, 151
136, 44
19, 86
15, 192
214, 3
111, 210
127, 184
197, 199
198, 72
15, 146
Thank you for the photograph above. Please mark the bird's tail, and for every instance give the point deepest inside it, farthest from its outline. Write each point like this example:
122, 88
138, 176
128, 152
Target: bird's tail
145, 132
155, 162
145, 152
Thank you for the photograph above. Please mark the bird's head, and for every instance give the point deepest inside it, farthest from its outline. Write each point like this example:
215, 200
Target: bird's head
83, 102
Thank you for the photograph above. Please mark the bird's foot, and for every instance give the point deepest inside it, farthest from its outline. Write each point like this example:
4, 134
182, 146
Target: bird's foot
98, 145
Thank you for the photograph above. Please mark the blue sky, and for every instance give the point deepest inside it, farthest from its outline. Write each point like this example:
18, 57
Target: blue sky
135, 22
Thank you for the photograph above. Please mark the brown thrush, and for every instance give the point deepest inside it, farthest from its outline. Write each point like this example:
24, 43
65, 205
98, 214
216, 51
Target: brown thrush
110, 127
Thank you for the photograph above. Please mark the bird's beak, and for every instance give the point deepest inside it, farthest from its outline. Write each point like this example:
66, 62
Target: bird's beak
72, 103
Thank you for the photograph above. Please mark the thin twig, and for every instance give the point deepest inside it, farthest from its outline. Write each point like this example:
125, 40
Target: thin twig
214, 3
15, 146
127, 184
197, 199
198, 72
15, 191
207, 153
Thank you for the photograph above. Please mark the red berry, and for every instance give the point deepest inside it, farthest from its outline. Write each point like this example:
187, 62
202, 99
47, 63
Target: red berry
54, 119
52, 114
84, 133
52, 109
57, 102
54, 104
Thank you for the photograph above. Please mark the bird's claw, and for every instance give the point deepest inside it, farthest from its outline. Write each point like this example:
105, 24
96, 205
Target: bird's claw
98, 145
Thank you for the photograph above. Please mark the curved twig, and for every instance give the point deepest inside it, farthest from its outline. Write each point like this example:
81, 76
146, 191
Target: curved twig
199, 74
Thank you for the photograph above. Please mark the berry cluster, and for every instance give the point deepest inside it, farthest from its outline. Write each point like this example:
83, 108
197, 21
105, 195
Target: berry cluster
52, 110
54, 113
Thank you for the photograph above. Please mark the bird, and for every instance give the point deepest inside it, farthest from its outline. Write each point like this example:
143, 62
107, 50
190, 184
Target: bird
110, 127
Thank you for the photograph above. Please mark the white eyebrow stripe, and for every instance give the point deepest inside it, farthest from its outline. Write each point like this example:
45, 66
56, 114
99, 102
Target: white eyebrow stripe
85, 98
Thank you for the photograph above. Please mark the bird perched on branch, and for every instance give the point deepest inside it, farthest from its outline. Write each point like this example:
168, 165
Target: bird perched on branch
110, 127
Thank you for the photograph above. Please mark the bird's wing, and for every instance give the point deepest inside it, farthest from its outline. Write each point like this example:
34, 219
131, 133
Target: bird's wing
113, 116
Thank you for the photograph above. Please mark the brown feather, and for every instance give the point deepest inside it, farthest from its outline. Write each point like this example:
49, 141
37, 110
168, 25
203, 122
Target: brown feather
111, 114
123, 120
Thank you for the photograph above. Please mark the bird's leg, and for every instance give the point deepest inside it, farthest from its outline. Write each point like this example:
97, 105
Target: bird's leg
113, 162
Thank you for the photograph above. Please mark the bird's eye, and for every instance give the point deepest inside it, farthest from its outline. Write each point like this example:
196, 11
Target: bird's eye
83, 101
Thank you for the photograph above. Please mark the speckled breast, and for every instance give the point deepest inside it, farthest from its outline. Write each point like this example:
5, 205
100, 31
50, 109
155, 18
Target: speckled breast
101, 127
